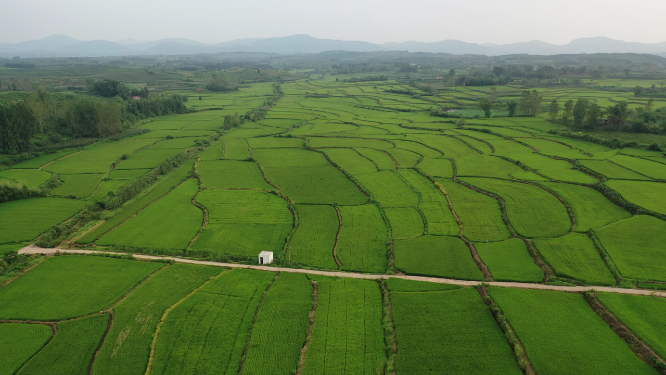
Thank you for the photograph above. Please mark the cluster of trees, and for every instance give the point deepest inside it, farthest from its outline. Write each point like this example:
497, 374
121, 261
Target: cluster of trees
233, 121
19, 65
110, 88
482, 81
582, 114
12, 193
161, 105
363, 67
653, 91
17, 126
220, 83
546, 71
530, 103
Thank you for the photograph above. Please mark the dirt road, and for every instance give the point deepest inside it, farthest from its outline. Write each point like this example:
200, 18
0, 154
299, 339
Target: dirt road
39, 250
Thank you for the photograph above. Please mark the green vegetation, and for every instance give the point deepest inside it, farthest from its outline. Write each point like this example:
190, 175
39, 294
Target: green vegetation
226, 174
347, 336
575, 257
243, 223
363, 237
481, 215
457, 326
637, 252
510, 261
436, 256
562, 334
72, 348
24, 220
649, 195
281, 326
533, 212
405, 222
207, 332
127, 347
77, 185
70, 286
169, 223
313, 242
642, 314
19, 342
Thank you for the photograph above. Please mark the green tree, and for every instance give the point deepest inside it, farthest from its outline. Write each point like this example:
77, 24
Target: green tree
493, 95
486, 107
536, 100
593, 116
650, 105
525, 105
617, 115
511, 107
579, 111
17, 125
568, 111
553, 110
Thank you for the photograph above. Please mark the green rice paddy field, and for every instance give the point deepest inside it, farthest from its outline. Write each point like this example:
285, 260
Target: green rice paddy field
327, 184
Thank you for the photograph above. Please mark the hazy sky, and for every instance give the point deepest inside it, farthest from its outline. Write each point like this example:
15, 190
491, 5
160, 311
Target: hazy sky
379, 21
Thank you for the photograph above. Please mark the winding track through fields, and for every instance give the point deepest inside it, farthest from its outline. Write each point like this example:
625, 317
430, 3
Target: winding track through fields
572, 289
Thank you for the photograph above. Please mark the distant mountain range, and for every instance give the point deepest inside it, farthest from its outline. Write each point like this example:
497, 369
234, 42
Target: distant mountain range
64, 46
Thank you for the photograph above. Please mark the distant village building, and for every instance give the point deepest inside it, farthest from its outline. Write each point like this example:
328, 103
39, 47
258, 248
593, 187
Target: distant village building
266, 257
136, 97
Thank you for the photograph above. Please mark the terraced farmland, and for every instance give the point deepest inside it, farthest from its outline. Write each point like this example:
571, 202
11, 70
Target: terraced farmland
357, 181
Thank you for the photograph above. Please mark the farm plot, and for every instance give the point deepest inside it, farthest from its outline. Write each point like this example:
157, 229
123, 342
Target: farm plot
650, 195
70, 286
383, 161
568, 175
591, 208
480, 215
77, 185
451, 147
637, 247
207, 333
126, 174
436, 167
463, 338
406, 159
31, 178
232, 174
25, 219
98, 159
418, 148
236, 149
347, 337
436, 256
40, 161
405, 222
243, 223
126, 349
313, 242
533, 212
317, 142
169, 223
486, 166
215, 151
131, 208
322, 184
275, 142
388, 189
363, 239
642, 314
106, 187
645, 167
506, 147
148, 158
574, 256
281, 327
72, 348
434, 205
563, 335
510, 261
612, 170
19, 342
350, 160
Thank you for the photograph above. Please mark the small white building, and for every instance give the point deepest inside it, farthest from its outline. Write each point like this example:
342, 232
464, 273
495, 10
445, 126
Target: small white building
266, 257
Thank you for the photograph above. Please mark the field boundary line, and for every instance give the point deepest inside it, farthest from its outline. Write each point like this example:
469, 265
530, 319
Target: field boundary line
153, 345
139, 211
630, 170
254, 321
390, 338
512, 338
337, 238
53, 161
101, 342
641, 349
206, 214
348, 175
54, 328
23, 272
364, 276
263, 173
313, 315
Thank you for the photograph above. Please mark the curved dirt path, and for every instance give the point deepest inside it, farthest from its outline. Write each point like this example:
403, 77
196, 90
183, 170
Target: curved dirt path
572, 289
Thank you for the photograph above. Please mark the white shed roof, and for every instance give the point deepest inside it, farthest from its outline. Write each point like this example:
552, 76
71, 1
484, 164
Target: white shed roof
265, 253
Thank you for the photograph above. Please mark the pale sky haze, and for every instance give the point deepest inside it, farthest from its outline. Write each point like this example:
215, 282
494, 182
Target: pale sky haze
377, 21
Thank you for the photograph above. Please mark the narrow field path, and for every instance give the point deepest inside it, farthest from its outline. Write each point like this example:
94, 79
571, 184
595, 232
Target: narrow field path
573, 289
